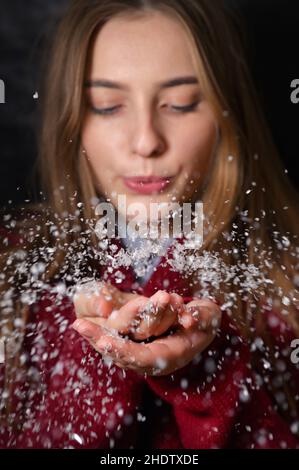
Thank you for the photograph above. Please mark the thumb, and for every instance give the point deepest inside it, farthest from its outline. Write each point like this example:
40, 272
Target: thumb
98, 298
203, 313
93, 298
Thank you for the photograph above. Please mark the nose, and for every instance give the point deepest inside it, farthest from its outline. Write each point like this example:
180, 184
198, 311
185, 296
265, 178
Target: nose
147, 139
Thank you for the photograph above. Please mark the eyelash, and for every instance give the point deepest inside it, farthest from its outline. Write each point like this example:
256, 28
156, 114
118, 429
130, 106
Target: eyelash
180, 109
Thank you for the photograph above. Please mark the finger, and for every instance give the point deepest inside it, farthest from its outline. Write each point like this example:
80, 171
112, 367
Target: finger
98, 299
156, 317
204, 313
168, 307
124, 351
182, 316
177, 301
100, 321
127, 318
160, 357
100, 339
93, 299
179, 349
153, 318
131, 355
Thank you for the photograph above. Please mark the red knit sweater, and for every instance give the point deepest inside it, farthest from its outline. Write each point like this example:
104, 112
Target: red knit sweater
76, 399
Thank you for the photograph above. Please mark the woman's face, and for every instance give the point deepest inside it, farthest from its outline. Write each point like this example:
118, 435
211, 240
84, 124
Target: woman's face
145, 133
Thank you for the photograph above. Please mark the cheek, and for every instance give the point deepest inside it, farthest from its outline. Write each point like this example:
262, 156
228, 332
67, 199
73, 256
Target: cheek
99, 144
196, 143
92, 139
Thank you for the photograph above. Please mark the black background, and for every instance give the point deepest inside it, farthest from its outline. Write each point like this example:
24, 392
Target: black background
272, 49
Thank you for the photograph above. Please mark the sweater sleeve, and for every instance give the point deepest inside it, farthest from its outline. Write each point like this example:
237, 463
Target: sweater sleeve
218, 401
75, 398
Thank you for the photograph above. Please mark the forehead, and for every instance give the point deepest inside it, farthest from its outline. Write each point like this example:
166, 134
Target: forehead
149, 46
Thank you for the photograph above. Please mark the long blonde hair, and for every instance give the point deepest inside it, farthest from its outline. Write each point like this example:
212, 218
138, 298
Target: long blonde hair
248, 192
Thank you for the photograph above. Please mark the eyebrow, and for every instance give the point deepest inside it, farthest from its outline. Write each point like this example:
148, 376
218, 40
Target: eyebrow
189, 80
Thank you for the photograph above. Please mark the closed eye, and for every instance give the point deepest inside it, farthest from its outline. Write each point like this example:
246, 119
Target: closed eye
104, 111
112, 110
186, 109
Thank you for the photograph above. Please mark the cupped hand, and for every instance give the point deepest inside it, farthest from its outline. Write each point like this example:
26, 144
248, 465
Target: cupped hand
194, 327
135, 316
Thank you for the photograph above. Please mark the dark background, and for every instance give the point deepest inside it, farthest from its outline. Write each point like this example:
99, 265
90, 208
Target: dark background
272, 50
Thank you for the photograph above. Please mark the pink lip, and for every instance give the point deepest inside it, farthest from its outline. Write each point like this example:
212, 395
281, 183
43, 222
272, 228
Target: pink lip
147, 184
